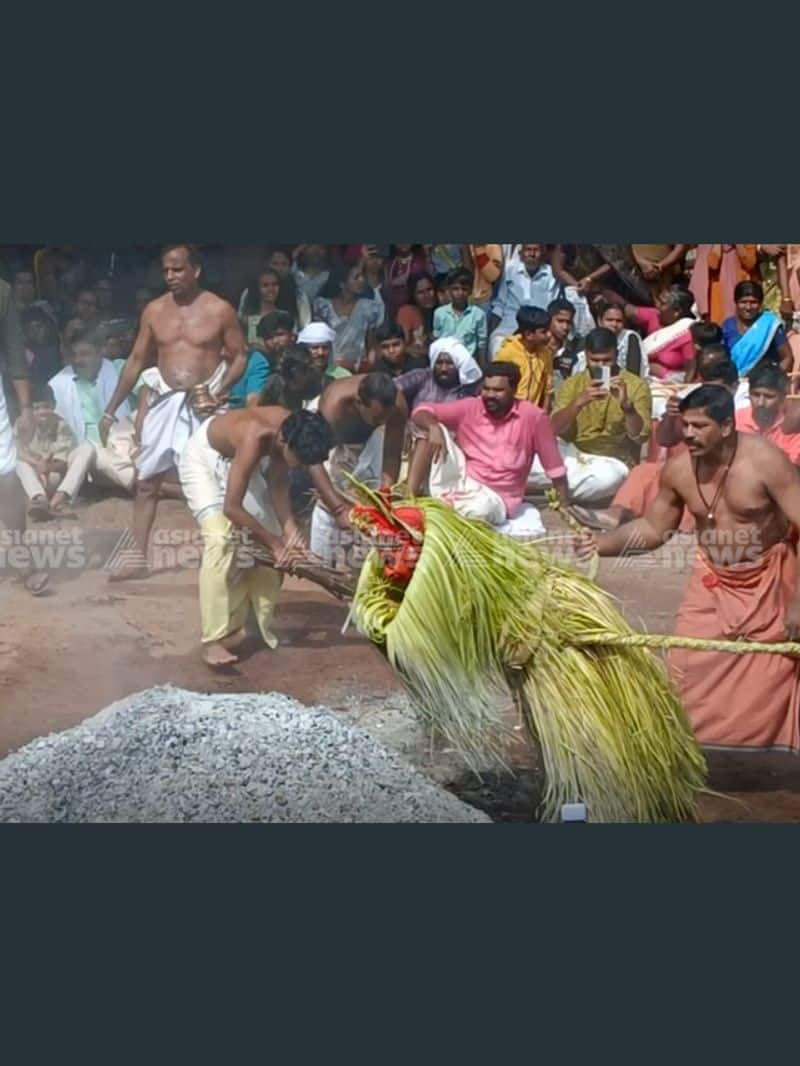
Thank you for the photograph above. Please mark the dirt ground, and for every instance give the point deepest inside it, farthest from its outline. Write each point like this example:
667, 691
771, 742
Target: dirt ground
65, 655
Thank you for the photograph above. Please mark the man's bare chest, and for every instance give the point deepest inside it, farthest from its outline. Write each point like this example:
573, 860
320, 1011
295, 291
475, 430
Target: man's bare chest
196, 329
740, 499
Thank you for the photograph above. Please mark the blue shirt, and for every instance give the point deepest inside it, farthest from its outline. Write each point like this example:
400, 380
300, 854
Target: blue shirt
469, 327
518, 288
252, 380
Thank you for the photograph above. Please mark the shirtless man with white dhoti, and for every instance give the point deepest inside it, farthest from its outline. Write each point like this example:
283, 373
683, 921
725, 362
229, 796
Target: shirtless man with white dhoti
197, 344
367, 414
235, 476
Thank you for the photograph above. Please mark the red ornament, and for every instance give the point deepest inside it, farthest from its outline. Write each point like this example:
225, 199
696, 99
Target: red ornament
397, 546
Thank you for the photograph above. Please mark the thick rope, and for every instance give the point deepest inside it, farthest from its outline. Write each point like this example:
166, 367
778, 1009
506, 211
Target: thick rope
554, 503
654, 640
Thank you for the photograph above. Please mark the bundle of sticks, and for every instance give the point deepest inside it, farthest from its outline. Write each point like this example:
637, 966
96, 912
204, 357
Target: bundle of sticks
339, 583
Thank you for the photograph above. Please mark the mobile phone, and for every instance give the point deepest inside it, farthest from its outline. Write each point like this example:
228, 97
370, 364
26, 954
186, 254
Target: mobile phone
595, 373
605, 376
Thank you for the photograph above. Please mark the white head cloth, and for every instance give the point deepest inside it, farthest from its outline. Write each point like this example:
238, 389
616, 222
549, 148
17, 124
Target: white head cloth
468, 370
316, 333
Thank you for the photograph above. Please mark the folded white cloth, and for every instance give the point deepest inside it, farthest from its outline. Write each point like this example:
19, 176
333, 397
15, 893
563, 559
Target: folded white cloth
8, 451
168, 423
316, 333
204, 480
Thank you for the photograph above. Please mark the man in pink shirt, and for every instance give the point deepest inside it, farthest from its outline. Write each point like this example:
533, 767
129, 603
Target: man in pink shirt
766, 415
479, 451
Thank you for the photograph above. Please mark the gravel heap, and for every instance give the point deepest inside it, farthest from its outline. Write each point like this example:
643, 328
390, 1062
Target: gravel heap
168, 755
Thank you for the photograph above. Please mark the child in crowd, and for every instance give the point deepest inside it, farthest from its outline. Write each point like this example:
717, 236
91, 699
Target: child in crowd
529, 350
459, 318
564, 345
51, 464
392, 356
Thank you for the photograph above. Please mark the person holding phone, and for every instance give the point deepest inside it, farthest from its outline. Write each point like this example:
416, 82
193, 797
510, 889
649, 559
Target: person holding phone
603, 417
604, 410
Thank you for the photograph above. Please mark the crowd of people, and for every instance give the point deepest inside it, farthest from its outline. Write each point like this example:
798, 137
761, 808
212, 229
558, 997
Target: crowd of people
651, 386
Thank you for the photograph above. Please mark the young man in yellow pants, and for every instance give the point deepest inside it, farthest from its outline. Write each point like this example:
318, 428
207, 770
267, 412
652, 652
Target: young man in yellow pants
235, 475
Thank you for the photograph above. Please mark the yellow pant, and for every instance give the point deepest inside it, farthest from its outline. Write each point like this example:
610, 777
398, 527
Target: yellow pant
228, 589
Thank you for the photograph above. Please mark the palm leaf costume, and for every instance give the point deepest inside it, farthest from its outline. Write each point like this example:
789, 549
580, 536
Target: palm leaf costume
483, 620
473, 621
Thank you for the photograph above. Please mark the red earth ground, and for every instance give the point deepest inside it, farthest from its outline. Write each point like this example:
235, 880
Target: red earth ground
66, 655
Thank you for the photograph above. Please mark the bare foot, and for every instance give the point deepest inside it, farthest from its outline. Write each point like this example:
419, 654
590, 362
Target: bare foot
129, 573
216, 654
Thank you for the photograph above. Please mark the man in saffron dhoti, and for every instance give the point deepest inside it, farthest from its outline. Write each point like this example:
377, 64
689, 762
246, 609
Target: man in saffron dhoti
744, 494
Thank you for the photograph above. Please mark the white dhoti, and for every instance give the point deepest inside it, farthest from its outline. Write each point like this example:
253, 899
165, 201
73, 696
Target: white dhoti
114, 462
230, 580
590, 478
8, 451
168, 423
366, 464
450, 482
661, 389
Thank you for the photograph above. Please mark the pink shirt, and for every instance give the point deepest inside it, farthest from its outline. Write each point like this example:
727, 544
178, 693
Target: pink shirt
499, 452
673, 356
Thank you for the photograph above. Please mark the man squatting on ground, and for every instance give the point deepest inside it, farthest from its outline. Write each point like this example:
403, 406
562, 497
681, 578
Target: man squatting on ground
744, 494
196, 340
367, 414
234, 472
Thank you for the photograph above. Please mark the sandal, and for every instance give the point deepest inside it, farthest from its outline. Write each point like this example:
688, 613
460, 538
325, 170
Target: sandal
59, 510
37, 582
39, 509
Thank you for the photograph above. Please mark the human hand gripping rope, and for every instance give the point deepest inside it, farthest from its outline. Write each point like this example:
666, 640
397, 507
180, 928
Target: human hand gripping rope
654, 640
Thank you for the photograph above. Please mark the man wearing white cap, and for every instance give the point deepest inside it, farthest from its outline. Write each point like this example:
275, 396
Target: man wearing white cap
318, 337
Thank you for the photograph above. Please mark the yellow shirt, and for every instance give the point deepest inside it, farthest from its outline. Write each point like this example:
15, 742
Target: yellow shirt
536, 371
599, 428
